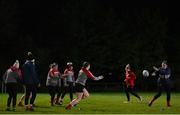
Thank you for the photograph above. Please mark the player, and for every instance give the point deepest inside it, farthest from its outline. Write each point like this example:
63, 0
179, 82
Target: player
52, 81
164, 74
12, 77
130, 78
69, 81
30, 81
80, 89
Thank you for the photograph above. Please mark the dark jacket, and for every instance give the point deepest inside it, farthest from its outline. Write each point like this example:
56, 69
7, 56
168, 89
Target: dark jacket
29, 74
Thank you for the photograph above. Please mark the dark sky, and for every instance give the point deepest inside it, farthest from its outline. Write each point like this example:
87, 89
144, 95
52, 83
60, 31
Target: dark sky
45, 20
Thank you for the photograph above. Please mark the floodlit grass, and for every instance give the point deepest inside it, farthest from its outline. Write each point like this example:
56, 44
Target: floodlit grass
101, 103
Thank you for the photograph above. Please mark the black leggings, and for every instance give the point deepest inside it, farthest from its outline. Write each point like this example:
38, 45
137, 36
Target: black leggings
52, 91
130, 90
66, 89
12, 91
30, 89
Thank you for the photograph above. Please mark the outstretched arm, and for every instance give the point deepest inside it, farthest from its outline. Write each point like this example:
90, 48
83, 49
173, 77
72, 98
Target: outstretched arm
156, 71
155, 68
91, 76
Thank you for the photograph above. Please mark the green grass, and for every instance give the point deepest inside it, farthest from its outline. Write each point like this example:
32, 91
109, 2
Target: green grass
101, 103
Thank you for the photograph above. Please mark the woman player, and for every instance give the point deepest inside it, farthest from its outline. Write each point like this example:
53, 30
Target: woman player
12, 77
80, 89
129, 83
52, 81
164, 74
68, 81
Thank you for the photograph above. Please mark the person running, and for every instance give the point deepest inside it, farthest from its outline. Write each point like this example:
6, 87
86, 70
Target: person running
81, 91
163, 82
30, 81
12, 77
130, 78
52, 82
69, 81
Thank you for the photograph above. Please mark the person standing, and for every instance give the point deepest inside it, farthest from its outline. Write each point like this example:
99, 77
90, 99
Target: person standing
11, 78
52, 82
30, 81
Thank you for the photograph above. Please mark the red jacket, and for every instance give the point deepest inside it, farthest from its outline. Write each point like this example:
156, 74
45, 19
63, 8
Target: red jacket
130, 78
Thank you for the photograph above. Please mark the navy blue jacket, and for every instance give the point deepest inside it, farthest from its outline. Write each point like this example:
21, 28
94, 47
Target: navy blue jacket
164, 76
29, 74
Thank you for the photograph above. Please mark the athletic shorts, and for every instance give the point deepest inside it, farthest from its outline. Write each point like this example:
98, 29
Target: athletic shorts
79, 87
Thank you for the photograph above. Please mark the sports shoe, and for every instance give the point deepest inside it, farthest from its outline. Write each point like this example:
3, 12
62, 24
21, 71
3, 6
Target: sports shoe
168, 104
68, 107
20, 104
31, 108
150, 104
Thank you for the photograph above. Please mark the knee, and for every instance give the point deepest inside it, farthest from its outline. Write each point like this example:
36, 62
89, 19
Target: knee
85, 96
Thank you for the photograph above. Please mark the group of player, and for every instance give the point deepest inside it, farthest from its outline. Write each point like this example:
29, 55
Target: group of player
26, 76
163, 75
60, 84
56, 83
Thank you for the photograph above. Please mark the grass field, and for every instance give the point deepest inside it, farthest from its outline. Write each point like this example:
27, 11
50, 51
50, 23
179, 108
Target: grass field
101, 103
